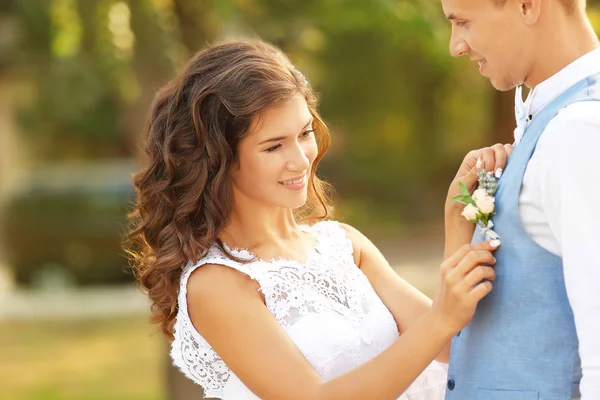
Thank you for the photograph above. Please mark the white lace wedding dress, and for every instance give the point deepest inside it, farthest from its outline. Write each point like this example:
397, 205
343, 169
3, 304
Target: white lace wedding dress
326, 305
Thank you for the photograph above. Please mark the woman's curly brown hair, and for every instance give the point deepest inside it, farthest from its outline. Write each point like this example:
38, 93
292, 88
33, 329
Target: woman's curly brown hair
184, 191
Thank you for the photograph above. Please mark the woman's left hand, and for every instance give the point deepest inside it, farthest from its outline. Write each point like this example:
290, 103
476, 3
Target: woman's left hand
491, 158
458, 230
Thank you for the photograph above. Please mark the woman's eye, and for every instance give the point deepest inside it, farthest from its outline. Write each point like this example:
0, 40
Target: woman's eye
307, 133
461, 23
272, 149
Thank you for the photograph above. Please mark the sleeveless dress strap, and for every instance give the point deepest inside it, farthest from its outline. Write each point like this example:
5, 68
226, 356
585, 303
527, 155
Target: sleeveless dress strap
189, 351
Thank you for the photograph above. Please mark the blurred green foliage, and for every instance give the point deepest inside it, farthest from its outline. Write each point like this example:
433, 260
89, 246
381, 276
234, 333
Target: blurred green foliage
395, 100
402, 111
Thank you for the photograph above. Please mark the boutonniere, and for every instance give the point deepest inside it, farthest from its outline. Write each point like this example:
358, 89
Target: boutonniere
480, 206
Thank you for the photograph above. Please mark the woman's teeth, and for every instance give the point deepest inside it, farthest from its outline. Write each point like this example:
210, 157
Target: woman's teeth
294, 182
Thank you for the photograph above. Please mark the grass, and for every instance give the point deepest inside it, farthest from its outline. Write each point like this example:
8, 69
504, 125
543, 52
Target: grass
118, 358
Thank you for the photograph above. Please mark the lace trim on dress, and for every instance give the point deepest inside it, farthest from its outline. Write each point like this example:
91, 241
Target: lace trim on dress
189, 351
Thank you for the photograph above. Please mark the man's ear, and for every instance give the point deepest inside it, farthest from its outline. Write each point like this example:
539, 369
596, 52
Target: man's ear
530, 10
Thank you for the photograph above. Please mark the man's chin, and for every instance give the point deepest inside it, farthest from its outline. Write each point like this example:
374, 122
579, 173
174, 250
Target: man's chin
502, 86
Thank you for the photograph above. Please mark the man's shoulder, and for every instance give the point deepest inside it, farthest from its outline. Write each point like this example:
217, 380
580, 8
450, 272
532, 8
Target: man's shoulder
580, 113
570, 142
574, 126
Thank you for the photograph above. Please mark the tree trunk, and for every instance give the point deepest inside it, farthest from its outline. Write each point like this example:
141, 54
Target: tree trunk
195, 22
503, 117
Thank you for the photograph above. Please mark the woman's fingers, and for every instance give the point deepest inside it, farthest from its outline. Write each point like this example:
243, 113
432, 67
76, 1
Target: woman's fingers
465, 281
501, 157
472, 260
451, 262
480, 291
470, 159
487, 159
476, 276
493, 159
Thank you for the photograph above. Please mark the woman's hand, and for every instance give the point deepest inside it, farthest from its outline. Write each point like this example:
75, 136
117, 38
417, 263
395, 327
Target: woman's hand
458, 230
491, 158
461, 287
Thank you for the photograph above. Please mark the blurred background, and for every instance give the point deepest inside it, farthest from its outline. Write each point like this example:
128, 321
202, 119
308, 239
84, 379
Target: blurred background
76, 81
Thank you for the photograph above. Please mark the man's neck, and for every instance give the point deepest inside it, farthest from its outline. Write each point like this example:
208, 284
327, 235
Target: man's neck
560, 47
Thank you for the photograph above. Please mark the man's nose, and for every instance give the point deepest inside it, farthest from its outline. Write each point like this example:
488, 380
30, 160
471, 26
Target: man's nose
458, 47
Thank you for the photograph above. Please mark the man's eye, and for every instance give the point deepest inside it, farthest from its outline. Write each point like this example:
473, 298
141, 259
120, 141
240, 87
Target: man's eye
461, 23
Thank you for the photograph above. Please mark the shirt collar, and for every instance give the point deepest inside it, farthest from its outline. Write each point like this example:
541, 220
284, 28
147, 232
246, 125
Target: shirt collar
558, 83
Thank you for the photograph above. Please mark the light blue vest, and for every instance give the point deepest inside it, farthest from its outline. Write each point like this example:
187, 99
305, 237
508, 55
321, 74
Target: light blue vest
522, 343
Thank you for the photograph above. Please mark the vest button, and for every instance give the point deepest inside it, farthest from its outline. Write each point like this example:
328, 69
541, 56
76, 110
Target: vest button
451, 384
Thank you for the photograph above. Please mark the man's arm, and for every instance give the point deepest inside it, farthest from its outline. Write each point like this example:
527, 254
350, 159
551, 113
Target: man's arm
571, 200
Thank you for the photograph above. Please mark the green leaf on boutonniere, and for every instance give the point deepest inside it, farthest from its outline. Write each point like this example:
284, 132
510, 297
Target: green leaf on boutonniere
459, 199
464, 190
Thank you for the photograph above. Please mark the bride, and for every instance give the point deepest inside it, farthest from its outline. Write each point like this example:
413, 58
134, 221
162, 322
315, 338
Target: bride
262, 295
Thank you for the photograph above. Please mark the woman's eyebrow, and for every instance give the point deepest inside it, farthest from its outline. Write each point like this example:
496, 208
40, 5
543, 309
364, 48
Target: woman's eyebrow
278, 138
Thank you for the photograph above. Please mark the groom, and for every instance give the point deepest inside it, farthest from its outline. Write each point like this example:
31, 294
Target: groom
537, 335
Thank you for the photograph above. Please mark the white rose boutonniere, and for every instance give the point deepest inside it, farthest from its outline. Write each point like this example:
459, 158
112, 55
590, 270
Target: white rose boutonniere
480, 206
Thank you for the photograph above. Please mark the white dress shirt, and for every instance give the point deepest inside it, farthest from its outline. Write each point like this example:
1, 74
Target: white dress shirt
559, 203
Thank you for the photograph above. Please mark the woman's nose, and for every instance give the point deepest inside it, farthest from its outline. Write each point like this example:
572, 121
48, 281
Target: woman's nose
299, 160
